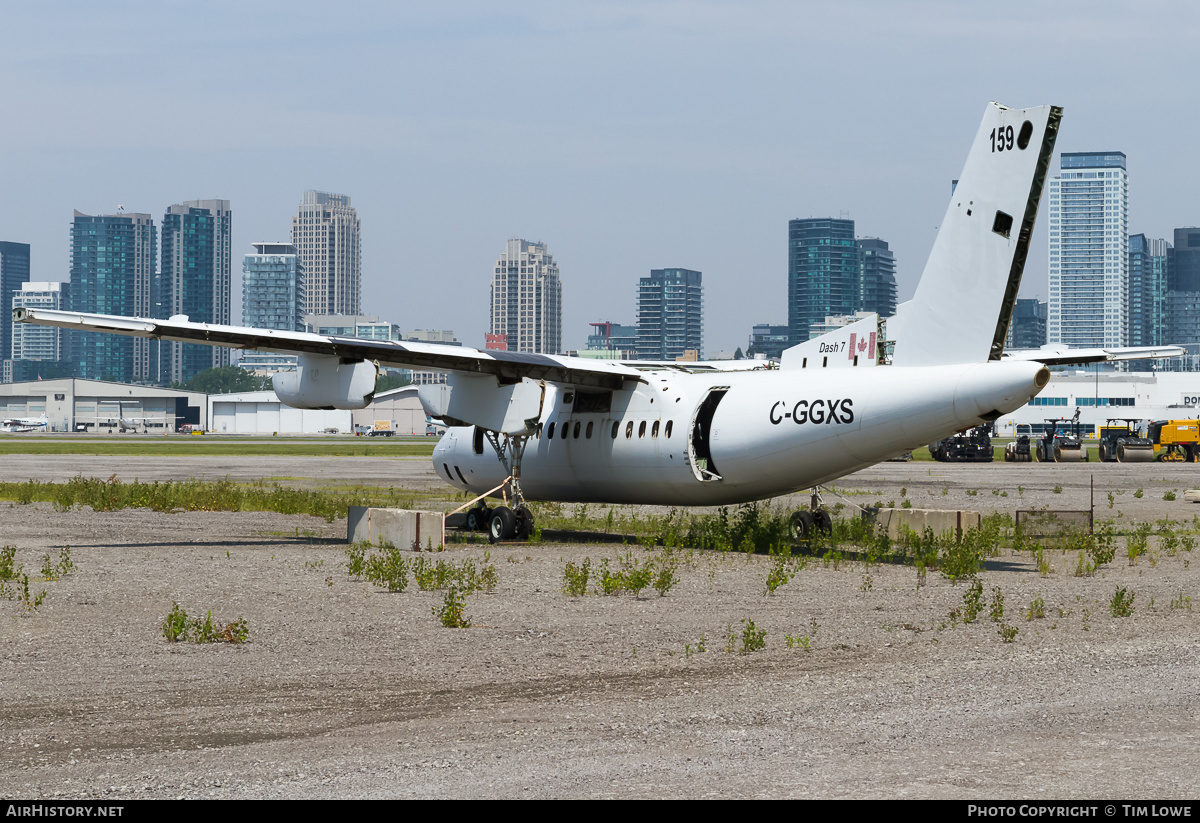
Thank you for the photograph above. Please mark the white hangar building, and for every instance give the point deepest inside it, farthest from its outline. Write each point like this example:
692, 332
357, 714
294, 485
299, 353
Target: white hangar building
261, 412
75, 404
1100, 395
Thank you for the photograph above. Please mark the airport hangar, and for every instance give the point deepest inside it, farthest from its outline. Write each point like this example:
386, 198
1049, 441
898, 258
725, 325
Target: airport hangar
77, 404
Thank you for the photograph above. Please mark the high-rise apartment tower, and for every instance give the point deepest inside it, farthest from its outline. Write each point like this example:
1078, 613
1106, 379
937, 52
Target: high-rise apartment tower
1089, 251
527, 298
670, 314
325, 232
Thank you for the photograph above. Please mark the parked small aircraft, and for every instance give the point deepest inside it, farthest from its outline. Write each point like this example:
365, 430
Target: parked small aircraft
17, 425
560, 428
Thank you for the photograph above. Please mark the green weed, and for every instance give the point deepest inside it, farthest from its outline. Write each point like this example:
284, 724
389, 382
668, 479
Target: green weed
1121, 604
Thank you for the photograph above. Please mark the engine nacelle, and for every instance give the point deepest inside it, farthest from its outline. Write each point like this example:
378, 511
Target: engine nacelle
324, 382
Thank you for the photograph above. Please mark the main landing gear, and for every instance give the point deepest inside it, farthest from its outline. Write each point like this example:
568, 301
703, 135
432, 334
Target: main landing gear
504, 522
808, 523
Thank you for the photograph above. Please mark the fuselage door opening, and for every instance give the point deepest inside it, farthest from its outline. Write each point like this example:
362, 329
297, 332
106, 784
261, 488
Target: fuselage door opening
700, 436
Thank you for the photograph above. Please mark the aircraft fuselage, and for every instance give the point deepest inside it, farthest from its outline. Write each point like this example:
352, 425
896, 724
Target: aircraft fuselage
733, 437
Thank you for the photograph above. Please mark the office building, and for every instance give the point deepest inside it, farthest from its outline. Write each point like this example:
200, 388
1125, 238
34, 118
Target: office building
670, 316
326, 234
527, 299
877, 283
113, 272
14, 270
1089, 251
273, 297
1147, 310
196, 281
607, 336
1183, 288
767, 341
1027, 326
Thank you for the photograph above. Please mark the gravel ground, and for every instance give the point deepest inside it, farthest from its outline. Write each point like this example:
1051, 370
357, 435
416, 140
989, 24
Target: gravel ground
348, 691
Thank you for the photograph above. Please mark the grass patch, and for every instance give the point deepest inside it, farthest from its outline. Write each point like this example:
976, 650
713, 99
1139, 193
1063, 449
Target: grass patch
201, 495
172, 446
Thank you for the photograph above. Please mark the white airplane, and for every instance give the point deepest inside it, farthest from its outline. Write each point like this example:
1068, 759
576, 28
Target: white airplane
17, 425
569, 429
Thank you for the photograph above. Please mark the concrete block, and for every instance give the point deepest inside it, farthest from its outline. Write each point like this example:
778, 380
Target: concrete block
406, 529
894, 521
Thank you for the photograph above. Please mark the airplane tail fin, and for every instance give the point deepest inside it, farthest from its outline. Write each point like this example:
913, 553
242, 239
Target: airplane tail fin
963, 304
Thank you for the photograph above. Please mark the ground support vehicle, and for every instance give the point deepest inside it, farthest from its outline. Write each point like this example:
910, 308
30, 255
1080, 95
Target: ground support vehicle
382, 428
1120, 442
973, 446
1063, 442
1175, 440
1019, 450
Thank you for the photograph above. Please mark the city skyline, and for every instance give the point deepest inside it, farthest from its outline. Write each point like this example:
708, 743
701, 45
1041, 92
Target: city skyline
451, 165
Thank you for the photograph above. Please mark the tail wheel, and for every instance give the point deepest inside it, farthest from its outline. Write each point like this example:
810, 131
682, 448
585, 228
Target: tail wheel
502, 525
803, 525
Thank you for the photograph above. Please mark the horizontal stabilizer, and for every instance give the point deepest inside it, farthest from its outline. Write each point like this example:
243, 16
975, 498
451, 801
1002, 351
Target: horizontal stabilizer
1054, 355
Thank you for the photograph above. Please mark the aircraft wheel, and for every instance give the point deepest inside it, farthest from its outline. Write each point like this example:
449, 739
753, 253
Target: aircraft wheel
802, 524
477, 518
823, 521
502, 525
525, 522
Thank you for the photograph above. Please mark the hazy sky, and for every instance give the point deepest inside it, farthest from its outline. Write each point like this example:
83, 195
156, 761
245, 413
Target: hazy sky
627, 136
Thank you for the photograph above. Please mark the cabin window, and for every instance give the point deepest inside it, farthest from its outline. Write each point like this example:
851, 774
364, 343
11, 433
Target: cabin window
550, 431
566, 430
670, 423
616, 426
642, 429
477, 446
588, 433
629, 430
576, 429
654, 429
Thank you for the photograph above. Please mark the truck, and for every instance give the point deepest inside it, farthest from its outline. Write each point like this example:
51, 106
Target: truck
383, 428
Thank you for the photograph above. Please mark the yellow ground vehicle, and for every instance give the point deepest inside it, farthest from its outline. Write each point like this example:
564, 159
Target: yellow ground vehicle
1175, 440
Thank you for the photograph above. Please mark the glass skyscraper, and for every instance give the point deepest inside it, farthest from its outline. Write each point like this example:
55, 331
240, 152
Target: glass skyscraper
14, 270
195, 281
670, 316
113, 272
1089, 251
824, 272
877, 288
1147, 291
1183, 288
832, 274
